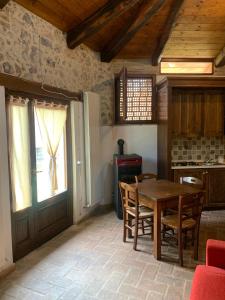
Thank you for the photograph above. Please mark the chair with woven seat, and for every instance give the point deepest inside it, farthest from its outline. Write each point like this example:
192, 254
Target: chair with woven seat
134, 216
187, 219
200, 184
144, 176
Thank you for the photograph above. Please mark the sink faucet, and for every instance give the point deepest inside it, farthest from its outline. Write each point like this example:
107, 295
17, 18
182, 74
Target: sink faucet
209, 160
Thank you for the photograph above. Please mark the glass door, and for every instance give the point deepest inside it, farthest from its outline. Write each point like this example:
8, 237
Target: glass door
40, 173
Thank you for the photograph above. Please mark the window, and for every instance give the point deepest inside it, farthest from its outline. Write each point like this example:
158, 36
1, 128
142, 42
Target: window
135, 101
173, 66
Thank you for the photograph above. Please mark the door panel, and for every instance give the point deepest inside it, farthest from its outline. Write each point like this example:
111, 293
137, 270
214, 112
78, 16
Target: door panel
51, 210
22, 232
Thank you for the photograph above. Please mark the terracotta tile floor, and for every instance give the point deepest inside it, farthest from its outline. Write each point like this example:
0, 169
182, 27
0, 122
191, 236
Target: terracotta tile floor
90, 261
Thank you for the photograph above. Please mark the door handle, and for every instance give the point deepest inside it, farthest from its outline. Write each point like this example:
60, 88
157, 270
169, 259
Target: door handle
36, 171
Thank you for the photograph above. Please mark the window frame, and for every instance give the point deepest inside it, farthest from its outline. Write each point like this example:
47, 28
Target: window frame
117, 119
188, 60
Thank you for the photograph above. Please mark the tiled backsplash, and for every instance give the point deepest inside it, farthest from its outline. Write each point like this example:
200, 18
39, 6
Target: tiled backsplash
198, 148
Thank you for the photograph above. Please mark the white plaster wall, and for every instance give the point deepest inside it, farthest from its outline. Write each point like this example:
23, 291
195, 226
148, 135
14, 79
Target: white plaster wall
140, 139
5, 216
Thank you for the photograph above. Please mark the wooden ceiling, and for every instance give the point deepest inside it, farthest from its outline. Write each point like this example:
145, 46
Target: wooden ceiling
134, 29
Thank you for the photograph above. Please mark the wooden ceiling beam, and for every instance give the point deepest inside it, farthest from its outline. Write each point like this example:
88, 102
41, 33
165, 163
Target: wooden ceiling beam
175, 8
3, 3
220, 59
111, 10
147, 10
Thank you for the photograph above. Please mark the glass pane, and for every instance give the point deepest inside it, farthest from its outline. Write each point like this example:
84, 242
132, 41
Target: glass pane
19, 157
43, 160
186, 67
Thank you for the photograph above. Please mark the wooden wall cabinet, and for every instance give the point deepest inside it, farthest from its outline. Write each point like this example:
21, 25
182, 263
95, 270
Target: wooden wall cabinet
187, 113
169, 125
215, 184
198, 113
213, 114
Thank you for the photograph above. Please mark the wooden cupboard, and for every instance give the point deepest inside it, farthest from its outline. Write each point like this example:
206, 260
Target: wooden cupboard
214, 183
213, 113
216, 188
169, 125
187, 113
197, 112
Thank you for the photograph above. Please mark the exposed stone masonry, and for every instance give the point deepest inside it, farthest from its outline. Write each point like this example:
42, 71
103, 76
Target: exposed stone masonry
35, 50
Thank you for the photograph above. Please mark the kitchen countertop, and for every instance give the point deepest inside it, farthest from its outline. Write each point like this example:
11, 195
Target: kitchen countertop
203, 166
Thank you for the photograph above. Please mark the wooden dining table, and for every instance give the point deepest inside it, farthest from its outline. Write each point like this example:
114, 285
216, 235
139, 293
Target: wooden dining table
159, 195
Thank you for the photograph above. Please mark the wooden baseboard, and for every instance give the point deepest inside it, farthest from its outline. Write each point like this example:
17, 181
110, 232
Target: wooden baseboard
7, 271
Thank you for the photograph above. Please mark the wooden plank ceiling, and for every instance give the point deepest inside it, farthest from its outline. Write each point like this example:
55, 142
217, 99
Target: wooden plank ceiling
134, 29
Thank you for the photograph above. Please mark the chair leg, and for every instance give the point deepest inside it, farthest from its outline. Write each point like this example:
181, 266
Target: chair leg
196, 242
180, 246
185, 239
143, 228
164, 231
129, 221
193, 237
152, 229
125, 216
135, 233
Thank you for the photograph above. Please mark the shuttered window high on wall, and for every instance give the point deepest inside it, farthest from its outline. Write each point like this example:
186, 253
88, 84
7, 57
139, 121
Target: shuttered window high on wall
135, 99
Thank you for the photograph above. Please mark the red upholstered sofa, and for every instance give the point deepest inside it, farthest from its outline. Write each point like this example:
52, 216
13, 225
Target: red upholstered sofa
209, 280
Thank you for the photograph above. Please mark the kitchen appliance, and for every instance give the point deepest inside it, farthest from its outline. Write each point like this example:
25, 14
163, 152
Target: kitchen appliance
125, 169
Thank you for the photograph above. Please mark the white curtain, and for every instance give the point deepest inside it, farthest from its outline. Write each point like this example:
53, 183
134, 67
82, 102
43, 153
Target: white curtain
19, 153
51, 121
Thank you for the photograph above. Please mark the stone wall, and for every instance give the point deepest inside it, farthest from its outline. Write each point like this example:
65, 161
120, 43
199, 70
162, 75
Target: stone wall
35, 50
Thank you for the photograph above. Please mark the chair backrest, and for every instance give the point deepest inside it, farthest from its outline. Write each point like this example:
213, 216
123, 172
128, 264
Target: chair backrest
194, 181
145, 176
129, 195
190, 207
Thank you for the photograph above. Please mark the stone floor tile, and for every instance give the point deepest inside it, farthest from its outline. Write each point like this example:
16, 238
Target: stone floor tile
183, 273
133, 276
114, 281
105, 294
172, 281
131, 291
150, 285
174, 293
71, 293
154, 296
89, 261
166, 268
187, 289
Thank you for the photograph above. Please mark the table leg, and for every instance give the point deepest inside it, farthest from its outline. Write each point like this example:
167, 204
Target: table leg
157, 231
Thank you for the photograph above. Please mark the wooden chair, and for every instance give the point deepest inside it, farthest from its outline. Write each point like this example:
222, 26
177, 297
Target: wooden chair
194, 181
187, 219
200, 184
141, 177
134, 215
145, 176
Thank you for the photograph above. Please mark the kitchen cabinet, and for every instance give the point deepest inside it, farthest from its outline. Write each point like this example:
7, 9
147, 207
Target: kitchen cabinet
197, 113
187, 113
216, 188
213, 114
204, 119
214, 184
